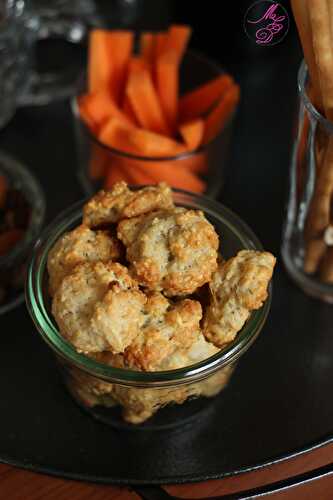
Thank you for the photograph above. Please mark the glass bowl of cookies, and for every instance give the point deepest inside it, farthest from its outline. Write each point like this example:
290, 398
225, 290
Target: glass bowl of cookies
148, 297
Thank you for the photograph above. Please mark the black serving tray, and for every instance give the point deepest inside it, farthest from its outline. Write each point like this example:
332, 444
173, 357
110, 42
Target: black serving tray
278, 402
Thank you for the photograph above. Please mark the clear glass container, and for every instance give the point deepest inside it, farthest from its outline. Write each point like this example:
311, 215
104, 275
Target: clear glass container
307, 240
13, 263
99, 388
210, 160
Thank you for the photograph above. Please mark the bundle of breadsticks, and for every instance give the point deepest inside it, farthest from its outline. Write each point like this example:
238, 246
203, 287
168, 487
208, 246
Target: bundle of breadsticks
314, 19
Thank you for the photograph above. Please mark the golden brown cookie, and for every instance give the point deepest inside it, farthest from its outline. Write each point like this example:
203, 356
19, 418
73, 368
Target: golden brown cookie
78, 246
170, 336
237, 287
171, 250
99, 307
108, 207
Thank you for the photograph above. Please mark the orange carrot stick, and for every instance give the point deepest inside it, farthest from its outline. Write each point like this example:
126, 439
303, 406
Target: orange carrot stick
196, 163
86, 116
147, 43
115, 135
159, 44
177, 39
145, 103
115, 173
198, 101
100, 66
167, 75
99, 107
192, 132
98, 162
121, 44
137, 175
152, 145
128, 110
135, 63
174, 174
220, 114
3, 190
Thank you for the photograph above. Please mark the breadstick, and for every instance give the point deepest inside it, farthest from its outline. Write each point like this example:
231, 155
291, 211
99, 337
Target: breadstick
321, 141
319, 15
301, 155
301, 15
314, 253
328, 235
319, 212
326, 266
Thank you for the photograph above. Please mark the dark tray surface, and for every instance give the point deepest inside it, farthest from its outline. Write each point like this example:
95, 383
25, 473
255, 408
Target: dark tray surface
278, 402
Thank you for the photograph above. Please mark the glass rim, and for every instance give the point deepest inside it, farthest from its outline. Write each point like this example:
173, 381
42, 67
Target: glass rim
182, 156
302, 78
50, 334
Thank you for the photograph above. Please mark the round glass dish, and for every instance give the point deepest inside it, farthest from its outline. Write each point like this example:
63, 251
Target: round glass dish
141, 393
212, 158
13, 263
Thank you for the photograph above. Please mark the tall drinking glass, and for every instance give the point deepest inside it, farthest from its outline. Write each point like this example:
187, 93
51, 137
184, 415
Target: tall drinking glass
307, 244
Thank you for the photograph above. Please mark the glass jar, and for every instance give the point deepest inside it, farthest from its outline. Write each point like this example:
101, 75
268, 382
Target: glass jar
307, 240
100, 388
13, 263
209, 161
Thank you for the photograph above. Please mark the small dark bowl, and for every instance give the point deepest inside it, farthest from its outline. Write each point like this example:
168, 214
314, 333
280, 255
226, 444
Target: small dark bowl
12, 264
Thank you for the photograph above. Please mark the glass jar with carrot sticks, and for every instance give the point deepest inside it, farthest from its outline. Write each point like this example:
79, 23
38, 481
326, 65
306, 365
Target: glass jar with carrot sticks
164, 114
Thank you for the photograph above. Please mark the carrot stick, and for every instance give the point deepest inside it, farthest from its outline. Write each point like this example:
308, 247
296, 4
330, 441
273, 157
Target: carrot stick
173, 174
99, 107
198, 101
196, 163
115, 135
87, 116
145, 103
177, 39
100, 66
152, 145
138, 141
114, 174
128, 110
121, 44
98, 162
220, 114
159, 45
135, 174
3, 190
147, 46
135, 63
167, 74
192, 133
